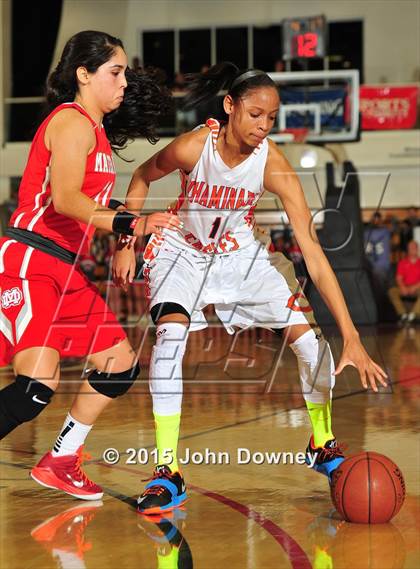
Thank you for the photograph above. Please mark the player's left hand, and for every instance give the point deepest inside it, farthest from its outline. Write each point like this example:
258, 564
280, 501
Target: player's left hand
354, 354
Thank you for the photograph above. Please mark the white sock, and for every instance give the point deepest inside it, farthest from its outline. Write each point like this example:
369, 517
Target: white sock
72, 436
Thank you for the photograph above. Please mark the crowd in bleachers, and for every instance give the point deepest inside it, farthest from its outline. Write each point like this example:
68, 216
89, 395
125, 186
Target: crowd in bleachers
392, 253
392, 247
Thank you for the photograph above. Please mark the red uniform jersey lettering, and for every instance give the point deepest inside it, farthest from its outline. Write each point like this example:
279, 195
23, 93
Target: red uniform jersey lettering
217, 202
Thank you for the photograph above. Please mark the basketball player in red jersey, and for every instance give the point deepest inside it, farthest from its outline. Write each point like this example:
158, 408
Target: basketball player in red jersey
48, 308
215, 259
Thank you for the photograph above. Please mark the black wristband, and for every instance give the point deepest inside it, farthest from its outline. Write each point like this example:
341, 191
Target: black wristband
115, 204
124, 222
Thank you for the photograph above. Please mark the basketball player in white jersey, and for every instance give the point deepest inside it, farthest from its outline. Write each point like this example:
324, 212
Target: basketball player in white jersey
215, 259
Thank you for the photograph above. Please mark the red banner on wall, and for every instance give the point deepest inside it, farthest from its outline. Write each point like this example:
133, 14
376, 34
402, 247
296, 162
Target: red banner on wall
388, 107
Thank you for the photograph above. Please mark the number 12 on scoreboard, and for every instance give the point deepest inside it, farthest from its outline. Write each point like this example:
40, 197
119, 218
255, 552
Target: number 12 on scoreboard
304, 38
305, 45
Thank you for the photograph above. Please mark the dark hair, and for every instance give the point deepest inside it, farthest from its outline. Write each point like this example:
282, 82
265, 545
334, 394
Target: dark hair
145, 99
224, 76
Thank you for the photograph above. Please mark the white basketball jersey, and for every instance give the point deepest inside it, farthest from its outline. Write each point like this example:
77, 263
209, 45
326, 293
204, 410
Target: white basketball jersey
217, 202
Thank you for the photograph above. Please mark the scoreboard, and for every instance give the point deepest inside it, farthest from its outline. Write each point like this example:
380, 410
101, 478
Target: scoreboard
304, 38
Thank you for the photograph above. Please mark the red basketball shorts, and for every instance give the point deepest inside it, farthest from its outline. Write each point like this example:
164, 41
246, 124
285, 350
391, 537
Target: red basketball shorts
47, 302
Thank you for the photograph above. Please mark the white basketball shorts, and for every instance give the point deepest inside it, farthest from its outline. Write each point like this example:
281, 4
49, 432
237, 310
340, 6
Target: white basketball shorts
250, 287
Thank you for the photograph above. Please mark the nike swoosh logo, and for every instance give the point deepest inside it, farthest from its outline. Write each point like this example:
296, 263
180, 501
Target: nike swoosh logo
77, 483
35, 398
183, 488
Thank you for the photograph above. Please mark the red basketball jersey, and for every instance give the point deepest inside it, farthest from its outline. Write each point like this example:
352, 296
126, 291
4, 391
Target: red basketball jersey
35, 211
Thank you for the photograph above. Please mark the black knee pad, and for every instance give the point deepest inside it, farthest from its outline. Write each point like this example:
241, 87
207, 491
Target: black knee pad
164, 308
113, 384
24, 399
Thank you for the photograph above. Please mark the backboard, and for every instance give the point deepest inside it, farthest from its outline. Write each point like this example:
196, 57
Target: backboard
325, 103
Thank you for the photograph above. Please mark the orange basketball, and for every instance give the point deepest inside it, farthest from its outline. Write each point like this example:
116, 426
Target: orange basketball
368, 488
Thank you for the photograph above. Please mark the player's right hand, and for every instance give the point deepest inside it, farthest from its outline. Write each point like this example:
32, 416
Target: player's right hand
123, 267
156, 223
354, 354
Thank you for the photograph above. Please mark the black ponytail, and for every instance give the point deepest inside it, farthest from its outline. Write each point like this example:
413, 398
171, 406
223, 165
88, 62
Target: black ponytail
145, 98
204, 87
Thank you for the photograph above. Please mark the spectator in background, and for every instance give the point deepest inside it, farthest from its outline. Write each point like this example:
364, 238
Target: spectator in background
179, 83
406, 234
7, 208
99, 250
294, 251
377, 240
412, 217
212, 108
185, 120
87, 265
393, 226
285, 242
414, 222
296, 256
408, 284
95, 265
278, 243
136, 64
279, 66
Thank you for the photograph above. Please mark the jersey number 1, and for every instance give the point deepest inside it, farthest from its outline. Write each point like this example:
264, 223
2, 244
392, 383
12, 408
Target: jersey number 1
215, 228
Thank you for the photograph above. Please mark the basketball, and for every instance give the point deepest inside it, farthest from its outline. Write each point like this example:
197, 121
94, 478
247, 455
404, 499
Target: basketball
368, 488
